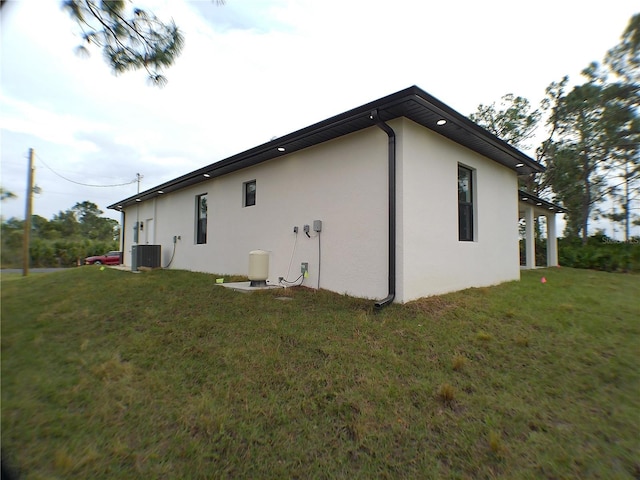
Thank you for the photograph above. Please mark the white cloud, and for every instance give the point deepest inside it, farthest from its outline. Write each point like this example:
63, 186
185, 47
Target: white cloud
21, 117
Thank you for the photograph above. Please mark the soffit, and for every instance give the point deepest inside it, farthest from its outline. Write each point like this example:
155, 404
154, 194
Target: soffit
538, 203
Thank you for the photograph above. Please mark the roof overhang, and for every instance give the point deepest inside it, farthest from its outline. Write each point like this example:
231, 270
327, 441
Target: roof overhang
412, 103
538, 203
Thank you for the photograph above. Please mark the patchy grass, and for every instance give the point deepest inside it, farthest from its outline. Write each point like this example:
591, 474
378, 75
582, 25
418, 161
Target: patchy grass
458, 362
447, 394
107, 374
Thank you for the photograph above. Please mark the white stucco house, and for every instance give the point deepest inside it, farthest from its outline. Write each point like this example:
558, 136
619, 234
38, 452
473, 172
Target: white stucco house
410, 198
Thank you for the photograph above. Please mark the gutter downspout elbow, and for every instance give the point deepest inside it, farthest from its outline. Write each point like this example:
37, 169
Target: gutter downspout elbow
392, 209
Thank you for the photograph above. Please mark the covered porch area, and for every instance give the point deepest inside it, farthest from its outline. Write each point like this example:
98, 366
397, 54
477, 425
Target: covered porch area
531, 207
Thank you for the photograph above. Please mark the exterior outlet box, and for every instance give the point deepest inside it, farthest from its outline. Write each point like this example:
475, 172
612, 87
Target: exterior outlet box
317, 225
304, 268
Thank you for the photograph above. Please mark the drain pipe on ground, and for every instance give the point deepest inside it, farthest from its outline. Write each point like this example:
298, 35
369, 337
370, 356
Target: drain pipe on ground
392, 210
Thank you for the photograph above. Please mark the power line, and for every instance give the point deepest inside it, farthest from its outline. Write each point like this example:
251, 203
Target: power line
80, 183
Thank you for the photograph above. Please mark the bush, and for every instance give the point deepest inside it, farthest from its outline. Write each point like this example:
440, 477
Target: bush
41, 252
56, 253
541, 252
600, 253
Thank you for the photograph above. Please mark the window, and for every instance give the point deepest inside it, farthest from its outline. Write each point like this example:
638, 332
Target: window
201, 219
250, 193
465, 204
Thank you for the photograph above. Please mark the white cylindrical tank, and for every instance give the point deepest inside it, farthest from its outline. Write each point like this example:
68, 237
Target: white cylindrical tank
258, 268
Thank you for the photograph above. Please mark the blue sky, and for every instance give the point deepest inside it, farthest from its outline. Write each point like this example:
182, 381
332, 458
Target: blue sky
255, 69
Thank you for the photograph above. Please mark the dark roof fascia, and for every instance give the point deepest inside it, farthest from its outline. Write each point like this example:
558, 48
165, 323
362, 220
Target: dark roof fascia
538, 202
413, 103
530, 165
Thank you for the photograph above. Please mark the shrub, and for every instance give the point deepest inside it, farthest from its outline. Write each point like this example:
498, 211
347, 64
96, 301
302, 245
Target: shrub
541, 251
600, 253
57, 253
41, 252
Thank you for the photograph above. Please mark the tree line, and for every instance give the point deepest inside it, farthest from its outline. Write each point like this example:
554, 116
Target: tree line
592, 144
63, 241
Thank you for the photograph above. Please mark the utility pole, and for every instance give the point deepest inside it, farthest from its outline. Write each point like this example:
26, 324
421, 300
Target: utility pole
28, 214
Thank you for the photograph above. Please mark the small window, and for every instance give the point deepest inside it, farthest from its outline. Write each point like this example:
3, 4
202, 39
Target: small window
465, 204
250, 193
201, 219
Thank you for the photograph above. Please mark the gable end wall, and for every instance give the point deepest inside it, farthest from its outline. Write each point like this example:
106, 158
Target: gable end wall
434, 260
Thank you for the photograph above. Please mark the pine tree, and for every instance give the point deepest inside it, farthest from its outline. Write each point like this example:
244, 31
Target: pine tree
129, 40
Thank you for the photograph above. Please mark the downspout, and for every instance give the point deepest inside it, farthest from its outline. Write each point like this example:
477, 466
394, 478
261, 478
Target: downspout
392, 210
123, 229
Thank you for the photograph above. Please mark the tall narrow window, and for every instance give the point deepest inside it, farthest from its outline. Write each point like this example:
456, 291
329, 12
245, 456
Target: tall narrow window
201, 219
465, 204
250, 193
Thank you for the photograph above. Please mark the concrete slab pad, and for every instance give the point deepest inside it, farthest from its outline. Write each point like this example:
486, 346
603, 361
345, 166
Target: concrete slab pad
246, 287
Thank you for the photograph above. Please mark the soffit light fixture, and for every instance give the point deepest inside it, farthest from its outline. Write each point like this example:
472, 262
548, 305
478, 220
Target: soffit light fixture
281, 149
160, 192
519, 165
206, 175
524, 199
441, 122
138, 200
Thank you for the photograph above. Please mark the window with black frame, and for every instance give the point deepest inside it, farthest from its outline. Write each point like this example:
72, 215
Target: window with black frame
250, 193
465, 204
201, 219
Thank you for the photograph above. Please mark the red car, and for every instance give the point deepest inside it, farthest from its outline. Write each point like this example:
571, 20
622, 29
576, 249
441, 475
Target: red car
109, 258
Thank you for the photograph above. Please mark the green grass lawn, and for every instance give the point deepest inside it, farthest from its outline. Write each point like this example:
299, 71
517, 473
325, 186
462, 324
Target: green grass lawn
107, 374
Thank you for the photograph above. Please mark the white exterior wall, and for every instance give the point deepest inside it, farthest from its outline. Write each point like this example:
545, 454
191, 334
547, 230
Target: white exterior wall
342, 182
433, 260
